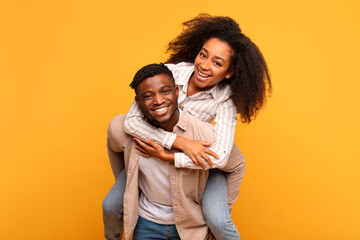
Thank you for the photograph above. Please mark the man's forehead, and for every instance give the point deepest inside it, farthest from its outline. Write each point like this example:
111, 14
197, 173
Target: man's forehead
156, 82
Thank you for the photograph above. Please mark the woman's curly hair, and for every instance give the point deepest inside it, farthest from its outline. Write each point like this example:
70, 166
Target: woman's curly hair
250, 81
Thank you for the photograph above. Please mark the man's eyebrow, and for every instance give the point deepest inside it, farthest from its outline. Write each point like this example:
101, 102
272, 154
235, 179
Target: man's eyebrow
164, 86
148, 91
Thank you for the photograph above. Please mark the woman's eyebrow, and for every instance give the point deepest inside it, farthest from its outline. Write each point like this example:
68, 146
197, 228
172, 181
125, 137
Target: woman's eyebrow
217, 57
204, 49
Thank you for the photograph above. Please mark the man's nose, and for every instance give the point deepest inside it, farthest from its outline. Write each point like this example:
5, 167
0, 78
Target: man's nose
158, 99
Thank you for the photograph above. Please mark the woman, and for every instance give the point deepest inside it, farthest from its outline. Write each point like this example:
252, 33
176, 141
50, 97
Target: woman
220, 73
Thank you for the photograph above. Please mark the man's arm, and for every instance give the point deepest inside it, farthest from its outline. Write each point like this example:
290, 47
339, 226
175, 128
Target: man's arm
116, 142
116, 160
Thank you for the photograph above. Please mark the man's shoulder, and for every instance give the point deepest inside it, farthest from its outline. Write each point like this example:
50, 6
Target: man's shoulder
117, 123
116, 132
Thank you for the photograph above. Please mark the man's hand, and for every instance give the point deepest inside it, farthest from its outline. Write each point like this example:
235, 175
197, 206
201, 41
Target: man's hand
196, 150
150, 148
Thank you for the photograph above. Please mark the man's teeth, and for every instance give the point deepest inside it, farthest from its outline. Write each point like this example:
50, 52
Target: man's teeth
160, 109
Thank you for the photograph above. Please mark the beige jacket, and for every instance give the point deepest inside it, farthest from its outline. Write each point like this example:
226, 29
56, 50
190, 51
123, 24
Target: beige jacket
187, 185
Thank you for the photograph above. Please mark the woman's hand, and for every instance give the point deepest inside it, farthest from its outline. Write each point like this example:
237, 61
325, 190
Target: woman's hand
196, 150
150, 148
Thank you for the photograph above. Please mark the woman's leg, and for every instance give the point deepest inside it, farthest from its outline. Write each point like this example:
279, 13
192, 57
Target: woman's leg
113, 209
215, 207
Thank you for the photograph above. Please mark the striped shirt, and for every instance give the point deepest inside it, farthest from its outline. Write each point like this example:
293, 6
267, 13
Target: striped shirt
205, 105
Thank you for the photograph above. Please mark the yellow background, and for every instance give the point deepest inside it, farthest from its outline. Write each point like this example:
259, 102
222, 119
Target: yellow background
65, 67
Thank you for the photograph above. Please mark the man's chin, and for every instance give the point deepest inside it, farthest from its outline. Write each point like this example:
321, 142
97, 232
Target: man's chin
159, 121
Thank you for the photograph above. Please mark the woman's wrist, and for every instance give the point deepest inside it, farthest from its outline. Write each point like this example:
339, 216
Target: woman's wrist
179, 143
169, 157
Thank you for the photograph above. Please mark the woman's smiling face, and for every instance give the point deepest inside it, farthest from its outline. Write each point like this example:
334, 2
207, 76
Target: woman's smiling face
211, 65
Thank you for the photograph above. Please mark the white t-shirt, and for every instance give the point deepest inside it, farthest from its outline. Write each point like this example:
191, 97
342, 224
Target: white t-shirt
155, 198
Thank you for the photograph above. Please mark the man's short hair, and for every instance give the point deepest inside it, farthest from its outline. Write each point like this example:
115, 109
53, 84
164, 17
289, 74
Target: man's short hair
150, 71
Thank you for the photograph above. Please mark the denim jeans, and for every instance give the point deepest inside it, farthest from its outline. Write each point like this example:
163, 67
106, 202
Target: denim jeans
146, 229
214, 203
215, 207
113, 209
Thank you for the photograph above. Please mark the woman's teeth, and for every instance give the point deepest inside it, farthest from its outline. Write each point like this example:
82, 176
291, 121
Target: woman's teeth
203, 75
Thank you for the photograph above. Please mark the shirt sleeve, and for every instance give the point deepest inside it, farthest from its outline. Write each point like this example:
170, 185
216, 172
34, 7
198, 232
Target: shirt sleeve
136, 125
224, 133
114, 147
116, 160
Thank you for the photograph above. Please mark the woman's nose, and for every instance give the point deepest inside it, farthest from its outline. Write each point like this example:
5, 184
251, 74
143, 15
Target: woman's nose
205, 65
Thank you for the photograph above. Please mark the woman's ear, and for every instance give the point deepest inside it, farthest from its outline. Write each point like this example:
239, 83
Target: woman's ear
229, 74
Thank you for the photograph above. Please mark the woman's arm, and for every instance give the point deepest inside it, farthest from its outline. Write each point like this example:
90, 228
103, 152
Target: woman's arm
224, 133
136, 125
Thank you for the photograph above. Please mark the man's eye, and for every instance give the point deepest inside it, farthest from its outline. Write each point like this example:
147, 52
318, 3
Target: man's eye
146, 96
166, 91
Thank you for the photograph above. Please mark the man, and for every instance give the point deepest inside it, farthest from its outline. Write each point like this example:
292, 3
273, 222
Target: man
168, 199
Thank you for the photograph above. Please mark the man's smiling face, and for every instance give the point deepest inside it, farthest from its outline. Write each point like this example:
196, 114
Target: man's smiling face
157, 99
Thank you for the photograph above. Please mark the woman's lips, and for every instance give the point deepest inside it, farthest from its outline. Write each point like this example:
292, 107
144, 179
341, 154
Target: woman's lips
201, 76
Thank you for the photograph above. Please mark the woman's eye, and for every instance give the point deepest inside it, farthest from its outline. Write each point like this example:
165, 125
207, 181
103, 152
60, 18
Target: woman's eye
202, 55
217, 64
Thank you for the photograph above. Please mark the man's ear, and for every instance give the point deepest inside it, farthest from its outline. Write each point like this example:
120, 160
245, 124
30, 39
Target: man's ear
177, 91
137, 101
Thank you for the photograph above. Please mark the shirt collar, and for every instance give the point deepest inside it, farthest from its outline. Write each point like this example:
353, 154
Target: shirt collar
183, 121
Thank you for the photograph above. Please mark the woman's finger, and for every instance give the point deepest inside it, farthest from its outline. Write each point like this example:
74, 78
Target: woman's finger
153, 144
195, 161
141, 150
145, 155
200, 162
207, 159
212, 153
205, 143
142, 144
